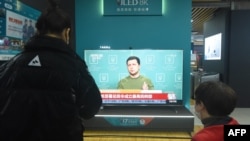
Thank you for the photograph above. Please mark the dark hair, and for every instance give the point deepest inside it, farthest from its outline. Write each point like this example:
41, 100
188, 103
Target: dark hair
218, 98
132, 58
53, 20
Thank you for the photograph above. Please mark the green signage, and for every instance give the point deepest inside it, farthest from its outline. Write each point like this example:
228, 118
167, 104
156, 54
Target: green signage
132, 7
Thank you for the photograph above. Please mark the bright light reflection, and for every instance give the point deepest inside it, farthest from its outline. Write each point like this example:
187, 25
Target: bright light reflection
102, 7
153, 116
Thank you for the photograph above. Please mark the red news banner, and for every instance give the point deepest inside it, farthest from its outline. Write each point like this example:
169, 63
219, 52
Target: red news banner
134, 96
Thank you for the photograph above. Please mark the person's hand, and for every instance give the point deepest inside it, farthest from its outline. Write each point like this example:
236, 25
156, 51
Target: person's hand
145, 86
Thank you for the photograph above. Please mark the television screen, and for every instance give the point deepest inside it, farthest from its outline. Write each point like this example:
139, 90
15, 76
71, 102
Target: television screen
163, 67
17, 25
213, 47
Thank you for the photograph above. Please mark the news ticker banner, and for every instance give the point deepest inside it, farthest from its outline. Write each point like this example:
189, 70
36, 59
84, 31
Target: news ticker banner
236, 132
13, 14
132, 7
136, 97
163, 67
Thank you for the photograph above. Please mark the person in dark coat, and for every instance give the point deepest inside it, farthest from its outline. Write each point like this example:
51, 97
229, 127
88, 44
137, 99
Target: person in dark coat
46, 91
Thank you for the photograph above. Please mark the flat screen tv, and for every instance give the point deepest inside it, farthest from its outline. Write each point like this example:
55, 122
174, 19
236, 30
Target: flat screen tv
17, 25
163, 67
213, 47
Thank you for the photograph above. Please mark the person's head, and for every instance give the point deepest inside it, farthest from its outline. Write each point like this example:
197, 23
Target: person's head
54, 22
133, 65
214, 99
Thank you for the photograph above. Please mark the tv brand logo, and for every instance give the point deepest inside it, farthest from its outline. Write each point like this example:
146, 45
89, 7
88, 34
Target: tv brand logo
132, 2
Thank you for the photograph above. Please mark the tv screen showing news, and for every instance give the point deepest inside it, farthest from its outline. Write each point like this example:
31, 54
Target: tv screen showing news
213, 47
141, 77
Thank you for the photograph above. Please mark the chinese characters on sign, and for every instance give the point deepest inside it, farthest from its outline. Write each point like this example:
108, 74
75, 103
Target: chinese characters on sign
132, 7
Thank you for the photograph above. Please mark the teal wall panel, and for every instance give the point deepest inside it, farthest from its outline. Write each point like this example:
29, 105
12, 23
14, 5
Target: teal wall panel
171, 30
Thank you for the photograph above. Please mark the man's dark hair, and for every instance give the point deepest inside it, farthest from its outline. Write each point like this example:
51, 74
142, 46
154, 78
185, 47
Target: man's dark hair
53, 20
134, 58
218, 98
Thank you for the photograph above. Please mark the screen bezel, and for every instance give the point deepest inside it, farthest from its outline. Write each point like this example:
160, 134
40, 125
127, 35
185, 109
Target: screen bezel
168, 103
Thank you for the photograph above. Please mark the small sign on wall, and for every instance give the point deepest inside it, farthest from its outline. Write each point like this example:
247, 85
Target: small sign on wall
132, 7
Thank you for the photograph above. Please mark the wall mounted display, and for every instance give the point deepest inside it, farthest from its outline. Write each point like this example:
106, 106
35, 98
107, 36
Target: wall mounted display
213, 47
17, 25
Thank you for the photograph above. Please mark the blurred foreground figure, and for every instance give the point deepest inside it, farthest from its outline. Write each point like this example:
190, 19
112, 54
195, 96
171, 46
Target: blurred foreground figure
46, 90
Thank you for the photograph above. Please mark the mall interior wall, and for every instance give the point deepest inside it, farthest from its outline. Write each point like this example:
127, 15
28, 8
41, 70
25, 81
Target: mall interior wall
234, 66
92, 29
171, 30
239, 58
218, 24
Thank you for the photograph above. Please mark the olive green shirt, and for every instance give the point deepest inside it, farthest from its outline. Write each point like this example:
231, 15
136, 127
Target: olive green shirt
134, 83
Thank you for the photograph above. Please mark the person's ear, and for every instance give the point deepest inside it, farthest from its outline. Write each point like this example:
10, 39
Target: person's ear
199, 105
66, 35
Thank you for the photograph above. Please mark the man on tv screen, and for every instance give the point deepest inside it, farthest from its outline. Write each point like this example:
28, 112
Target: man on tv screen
135, 80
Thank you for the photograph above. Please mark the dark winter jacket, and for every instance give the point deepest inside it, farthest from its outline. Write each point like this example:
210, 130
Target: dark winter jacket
45, 92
